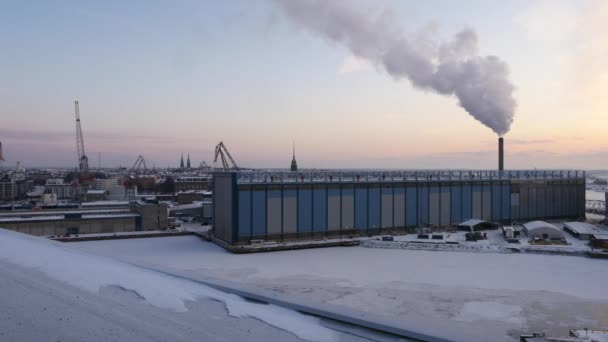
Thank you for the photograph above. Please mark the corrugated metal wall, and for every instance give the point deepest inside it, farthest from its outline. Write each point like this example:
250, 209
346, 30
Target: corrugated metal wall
301, 209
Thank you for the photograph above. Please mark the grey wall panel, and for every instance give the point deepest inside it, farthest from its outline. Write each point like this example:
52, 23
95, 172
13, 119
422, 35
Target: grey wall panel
476, 203
541, 194
387, 207
486, 203
273, 212
533, 202
445, 207
434, 204
333, 208
515, 206
399, 207
524, 212
290, 211
223, 207
348, 208
550, 197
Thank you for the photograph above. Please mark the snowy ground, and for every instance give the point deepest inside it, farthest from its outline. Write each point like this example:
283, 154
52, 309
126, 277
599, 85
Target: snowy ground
502, 294
50, 292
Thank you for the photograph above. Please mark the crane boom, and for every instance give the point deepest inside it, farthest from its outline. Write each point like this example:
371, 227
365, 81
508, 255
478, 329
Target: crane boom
83, 161
221, 151
139, 162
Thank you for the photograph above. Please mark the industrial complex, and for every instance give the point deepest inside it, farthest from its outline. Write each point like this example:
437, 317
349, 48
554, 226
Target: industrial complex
286, 205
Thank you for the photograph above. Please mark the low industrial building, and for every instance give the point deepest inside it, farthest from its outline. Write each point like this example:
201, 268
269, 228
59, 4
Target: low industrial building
140, 216
599, 241
307, 205
96, 195
542, 230
582, 230
190, 196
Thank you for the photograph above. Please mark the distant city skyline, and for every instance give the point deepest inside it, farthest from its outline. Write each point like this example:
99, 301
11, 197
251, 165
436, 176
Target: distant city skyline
164, 78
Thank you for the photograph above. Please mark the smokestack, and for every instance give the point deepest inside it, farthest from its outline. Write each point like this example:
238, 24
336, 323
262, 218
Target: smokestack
501, 154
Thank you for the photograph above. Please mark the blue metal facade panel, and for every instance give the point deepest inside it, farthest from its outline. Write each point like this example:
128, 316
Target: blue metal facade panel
411, 210
319, 210
304, 210
361, 208
467, 202
244, 213
374, 210
423, 205
456, 203
258, 212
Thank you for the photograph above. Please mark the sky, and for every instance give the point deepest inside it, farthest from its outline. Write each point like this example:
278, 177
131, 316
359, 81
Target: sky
162, 78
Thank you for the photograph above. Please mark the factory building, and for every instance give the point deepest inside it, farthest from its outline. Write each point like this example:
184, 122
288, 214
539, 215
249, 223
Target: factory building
296, 205
140, 216
61, 190
7, 189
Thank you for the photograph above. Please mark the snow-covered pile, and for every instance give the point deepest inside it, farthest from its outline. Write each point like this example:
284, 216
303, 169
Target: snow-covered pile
91, 273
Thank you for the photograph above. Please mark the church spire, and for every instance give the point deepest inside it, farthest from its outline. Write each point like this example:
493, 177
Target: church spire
188, 162
294, 164
181, 163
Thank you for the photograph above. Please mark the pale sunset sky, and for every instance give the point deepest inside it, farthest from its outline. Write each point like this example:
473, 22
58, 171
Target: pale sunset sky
159, 78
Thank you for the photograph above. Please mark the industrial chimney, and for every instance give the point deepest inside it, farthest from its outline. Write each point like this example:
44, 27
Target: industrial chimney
501, 154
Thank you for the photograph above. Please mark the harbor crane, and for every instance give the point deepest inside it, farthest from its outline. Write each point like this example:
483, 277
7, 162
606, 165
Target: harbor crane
83, 160
204, 166
139, 163
222, 152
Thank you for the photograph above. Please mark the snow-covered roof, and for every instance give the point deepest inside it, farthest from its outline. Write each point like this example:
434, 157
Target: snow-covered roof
104, 203
539, 224
584, 228
96, 192
471, 222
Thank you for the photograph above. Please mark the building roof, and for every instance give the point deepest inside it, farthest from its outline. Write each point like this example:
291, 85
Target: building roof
540, 224
471, 223
96, 192
584, 228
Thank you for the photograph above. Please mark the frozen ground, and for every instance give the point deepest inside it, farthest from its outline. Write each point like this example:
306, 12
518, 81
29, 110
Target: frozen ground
50, 292
502, 294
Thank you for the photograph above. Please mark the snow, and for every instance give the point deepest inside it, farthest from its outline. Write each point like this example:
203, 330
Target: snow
75, 268
554, 292
500, 271
473, 311
595, 195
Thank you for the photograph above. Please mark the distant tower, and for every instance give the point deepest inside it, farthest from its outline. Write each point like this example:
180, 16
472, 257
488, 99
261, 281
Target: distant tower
294, 164
188, 163
1, 155
181, 163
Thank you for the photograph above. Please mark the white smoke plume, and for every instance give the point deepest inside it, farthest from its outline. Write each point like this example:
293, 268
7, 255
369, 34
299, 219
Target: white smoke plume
481, 83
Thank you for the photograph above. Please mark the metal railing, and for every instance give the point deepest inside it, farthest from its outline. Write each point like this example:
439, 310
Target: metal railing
338, 176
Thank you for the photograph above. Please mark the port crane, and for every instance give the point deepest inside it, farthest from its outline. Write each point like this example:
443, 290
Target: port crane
222, 152
83, 160
140, 163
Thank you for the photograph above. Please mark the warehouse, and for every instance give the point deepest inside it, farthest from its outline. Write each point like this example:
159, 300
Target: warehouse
543, 230
304, 205
582, 230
